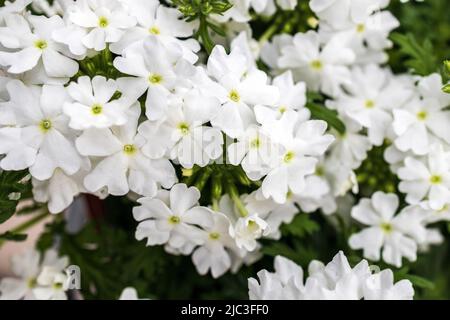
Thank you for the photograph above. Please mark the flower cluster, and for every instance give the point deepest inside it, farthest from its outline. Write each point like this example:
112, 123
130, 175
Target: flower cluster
335, 281
117, 98
36, 277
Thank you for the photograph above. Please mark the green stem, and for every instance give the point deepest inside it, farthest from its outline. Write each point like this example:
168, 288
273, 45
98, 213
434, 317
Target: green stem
271, 30
28, 224
234, 194
215, 204
203, 178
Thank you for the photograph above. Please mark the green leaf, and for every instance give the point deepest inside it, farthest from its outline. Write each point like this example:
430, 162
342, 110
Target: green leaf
420, 282
330, 116
10, 236
419, 57
14, 186
280, 249
446, 88
301, 226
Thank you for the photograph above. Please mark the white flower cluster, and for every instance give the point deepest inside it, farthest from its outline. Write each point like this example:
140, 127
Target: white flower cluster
335, 281
36, 277
169, 111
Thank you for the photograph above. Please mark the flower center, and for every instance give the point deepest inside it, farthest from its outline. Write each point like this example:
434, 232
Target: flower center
369, 104
435, 179
103, 22
154, 30
129, 149
174, 220
96, 109
184, 128
360, 28
214, 236
57, 286
282, 109
31, 283
421, 115
155, 78
40, 44
252, 226
320, 172
316, 64
289, 156
234, 96
386, 227
45, 125
255, 143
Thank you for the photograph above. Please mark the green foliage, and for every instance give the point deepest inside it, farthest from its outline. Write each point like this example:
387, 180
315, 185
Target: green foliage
14, 185
12, 236
419, 57
301, 226
374, 173
201, 10
446, 76
330, 116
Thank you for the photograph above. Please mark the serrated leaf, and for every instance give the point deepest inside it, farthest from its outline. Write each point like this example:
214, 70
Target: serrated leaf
280, 249
301, 226
419, 57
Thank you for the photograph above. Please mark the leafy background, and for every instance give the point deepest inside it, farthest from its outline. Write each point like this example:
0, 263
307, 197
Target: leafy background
110, 258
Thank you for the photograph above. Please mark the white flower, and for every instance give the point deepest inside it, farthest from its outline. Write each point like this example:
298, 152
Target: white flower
129, 293
321, 67
271, 51
184, 134
173, 217
124, 167
381, 286
362, 23
342, 13
214, 253
92, 106
300, 144
158, 68
51, 284
292, 95
428, 178
253, 151
285, 283
369, 97
423, 117
9, 7
39, 139
316, 194
394, 234
156, 19
29, 47
350, 148
60, 189
241, 87
247, 230
335, 281
433, 216
35, 279
273, 213
94, 24
27, 267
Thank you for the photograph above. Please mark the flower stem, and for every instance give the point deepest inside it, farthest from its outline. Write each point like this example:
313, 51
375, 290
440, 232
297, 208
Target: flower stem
28, 224
234, 194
